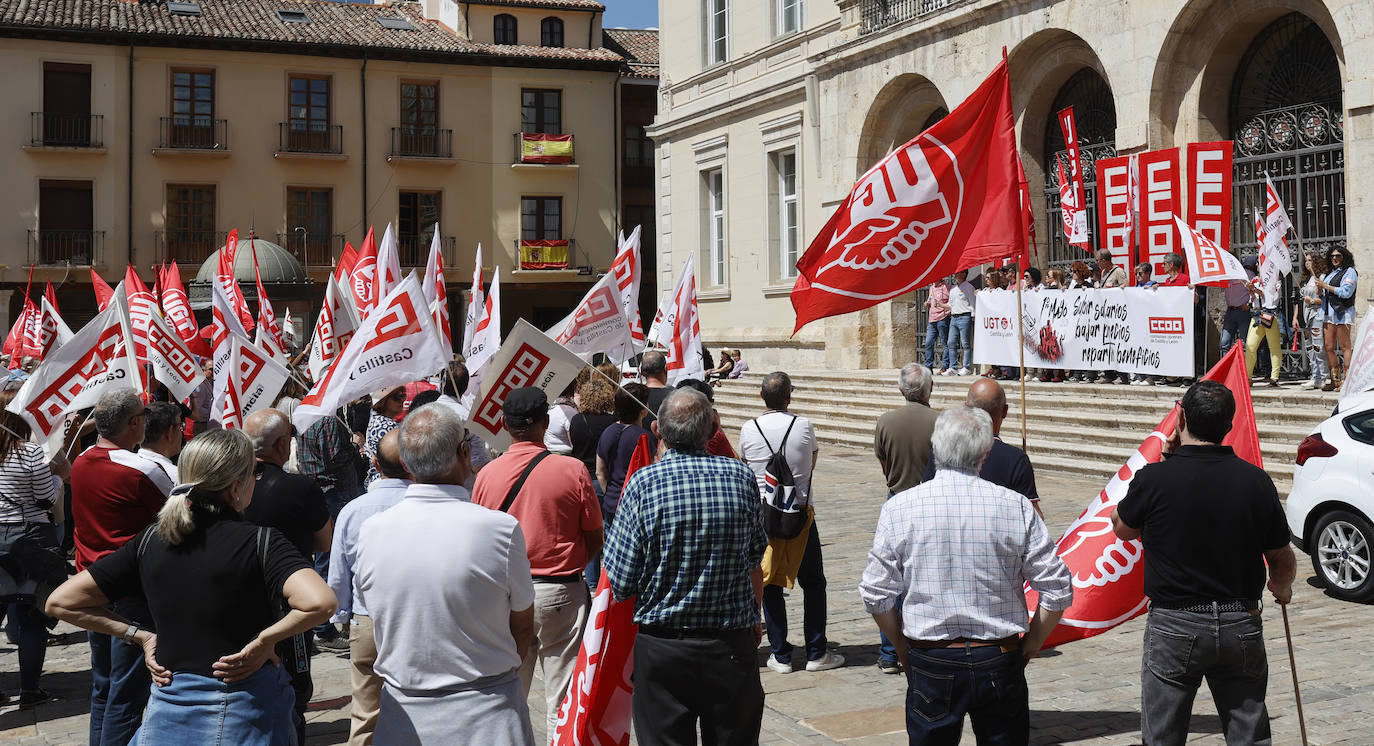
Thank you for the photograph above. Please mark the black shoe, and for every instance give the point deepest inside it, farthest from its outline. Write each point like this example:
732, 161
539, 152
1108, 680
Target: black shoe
336, 644
889, 667
35, 697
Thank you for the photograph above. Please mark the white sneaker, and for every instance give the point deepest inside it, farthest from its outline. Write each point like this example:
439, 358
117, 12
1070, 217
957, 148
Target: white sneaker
965, 372
831, 660
1310, 385
778, 665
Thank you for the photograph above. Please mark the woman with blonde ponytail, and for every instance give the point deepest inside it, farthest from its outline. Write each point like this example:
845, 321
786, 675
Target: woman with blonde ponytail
216, 587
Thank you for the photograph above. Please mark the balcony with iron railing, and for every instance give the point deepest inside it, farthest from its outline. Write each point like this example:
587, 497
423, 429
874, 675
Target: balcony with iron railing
421, 142
309, 138
56, 130
187, 245
414, 250
193, 133
875, 15
312, 249
534, 148
546, 254
66, 247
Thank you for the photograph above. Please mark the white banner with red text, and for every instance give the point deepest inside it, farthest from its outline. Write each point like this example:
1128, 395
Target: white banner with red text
1131, 330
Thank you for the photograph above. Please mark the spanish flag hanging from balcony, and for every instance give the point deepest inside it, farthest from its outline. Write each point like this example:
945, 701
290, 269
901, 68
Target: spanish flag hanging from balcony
544, 254
540, 148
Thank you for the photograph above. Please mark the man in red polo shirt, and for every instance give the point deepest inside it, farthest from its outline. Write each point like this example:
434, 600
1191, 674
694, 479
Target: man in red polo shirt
115, 494
552, 498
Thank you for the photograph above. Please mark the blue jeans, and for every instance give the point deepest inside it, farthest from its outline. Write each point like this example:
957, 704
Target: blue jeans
887, 653
201, 709
938, 331
961, 331
811, 578
1181, 649
119, 682
984, 683
1234, 326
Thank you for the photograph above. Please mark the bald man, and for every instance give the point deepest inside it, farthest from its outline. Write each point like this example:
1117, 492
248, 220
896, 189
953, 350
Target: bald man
1006, 465
295, 506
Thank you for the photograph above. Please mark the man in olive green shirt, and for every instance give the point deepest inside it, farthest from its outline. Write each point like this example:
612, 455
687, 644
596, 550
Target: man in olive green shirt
901, 440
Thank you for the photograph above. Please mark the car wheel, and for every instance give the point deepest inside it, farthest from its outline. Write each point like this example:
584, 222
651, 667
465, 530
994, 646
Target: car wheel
1342, 545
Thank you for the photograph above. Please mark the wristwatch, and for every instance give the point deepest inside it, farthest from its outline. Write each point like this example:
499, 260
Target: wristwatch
128, 638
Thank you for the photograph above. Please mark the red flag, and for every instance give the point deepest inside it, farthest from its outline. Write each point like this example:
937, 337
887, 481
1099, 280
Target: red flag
267, 320
228, 281
177, 308
1209, 190
1074, 209
362, 282
597, 707
347, 261
945, 201
102, 289
142, 304
1108, 574
1160, 199
51, 295
1115, 204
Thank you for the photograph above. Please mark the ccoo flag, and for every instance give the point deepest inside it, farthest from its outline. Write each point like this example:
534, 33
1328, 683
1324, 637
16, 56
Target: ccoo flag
527, 358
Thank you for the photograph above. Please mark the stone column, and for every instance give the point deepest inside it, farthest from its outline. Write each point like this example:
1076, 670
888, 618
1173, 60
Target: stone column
879, 337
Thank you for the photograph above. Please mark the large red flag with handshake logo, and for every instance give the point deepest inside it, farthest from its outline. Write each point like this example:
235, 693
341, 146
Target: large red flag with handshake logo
1108, 573
945, 201
596, 711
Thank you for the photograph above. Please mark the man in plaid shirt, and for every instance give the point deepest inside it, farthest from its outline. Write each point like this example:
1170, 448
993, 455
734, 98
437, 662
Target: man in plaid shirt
686, 545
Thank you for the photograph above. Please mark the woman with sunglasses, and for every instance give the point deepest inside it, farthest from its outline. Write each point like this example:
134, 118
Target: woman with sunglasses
1338, 311
387, 405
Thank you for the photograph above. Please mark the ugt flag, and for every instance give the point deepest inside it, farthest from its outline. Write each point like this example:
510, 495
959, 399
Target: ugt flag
1108, 572
945, 201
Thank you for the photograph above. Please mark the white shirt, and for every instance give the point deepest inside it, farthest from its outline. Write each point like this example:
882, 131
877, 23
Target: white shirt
162, 461
556, 438
440, 578
800, 448
960, 549
961, 298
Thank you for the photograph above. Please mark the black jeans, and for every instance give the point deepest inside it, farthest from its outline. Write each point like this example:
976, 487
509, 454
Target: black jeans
985, 683
811, 578
678, 683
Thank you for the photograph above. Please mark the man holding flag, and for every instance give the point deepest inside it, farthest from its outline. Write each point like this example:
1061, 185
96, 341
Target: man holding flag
1209, 522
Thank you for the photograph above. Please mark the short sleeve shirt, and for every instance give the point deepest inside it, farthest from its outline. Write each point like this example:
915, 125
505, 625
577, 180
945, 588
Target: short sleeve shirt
1206, 517
289, 503
901, 440
115, 494
800, 448
1006, 466
616, 447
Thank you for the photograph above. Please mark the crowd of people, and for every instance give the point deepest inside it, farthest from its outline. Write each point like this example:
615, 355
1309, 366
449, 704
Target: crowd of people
1323, 314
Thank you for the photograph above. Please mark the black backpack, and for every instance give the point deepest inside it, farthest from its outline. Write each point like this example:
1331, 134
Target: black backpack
783, 518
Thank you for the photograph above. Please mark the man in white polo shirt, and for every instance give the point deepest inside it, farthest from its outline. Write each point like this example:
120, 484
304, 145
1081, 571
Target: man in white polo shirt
448, 586
961, 301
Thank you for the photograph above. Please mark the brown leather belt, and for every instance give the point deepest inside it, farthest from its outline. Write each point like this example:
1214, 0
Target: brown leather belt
1008, 644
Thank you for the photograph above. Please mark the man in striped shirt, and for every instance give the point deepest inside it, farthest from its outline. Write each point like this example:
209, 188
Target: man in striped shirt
956, 552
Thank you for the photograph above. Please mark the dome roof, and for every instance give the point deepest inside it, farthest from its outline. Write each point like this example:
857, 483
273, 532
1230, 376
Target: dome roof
276, 264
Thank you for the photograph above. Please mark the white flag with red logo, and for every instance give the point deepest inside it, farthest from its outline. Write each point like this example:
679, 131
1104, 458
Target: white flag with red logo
1210, 264
173, 364
254, 380
73, 377
1276, 227
395, 346
269, 335
486, 334
53, 331
1108, 572
388, 265
142, 307
664, 313
476, 303
436, 292
680, 331
225, 278
334, 328
597, 324
362, 283
1075, 210
225, 326
1359, 376
627, 270
527, 358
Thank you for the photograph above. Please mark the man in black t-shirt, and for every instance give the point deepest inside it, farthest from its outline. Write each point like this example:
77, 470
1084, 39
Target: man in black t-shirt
654, 368
295, 506
1209, 521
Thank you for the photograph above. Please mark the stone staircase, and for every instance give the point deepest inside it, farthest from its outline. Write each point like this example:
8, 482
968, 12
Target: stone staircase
1086, 430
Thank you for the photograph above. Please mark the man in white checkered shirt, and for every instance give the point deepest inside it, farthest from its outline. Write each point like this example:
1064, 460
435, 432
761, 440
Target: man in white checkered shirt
957, 550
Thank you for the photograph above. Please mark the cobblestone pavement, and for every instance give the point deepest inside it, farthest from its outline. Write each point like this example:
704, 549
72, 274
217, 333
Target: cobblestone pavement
1088, 693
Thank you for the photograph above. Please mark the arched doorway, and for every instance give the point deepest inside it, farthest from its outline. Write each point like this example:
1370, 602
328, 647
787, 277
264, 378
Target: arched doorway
1095, 115
1285, 112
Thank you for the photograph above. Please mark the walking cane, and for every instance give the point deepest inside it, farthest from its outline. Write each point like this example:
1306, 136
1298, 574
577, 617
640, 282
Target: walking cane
1293, 668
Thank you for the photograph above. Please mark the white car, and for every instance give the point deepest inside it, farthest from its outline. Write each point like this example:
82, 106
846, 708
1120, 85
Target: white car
1332, 501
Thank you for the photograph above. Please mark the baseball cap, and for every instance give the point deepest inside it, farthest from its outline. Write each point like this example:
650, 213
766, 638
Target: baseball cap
524, 407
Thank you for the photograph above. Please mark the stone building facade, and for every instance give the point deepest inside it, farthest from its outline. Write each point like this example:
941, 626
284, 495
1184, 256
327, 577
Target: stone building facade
770, 109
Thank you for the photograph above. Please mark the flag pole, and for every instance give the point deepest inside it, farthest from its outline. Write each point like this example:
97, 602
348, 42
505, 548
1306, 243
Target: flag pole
1293, 669
1021, 351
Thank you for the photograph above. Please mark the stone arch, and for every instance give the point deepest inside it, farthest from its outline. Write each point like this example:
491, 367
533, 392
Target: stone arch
1190, 93
904, 107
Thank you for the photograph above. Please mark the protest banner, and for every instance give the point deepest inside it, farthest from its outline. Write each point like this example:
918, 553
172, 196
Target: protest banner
1134, 330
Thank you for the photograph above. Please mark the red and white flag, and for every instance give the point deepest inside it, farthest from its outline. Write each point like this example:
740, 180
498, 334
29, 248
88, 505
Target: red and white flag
486, 334
627, 269
597, 324
680, 332
348, 259
53, 331
362, 283
436, 291
334, 328
254, 380
947, 200
1276, 227
269, 336
99, 356
528, 357
395, 346
289, 331
142, 307
1359, 374
476, 303
225, 278
1115, 209
596, 711
225, 326
388, 264
24, 337
1209, 190
102, 289
173, 364
664, 313
1108, 573
176, 307
1159, 201
1209, 264
1074, 210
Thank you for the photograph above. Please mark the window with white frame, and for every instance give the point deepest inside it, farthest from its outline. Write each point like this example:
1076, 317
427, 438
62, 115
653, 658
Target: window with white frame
785, 213
717, 30
789, 16
713, 188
